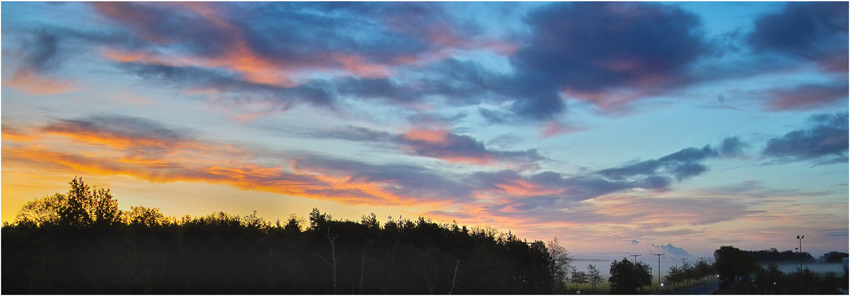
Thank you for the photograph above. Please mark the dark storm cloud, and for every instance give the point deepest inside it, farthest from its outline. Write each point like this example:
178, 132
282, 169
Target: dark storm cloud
828, 137
815, 31
591, 48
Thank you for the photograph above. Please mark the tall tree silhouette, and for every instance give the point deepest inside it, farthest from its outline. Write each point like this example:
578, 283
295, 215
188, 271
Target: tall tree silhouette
627, 277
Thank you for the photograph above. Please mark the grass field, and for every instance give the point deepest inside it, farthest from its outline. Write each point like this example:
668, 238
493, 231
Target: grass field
605, 288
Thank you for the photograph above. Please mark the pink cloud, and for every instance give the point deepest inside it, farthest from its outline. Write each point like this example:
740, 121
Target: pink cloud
806, 97
31, 82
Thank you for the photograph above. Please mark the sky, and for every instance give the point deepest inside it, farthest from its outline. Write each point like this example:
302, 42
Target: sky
618, 128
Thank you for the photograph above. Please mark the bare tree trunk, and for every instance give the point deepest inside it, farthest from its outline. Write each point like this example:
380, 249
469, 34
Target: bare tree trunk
334, 257
362, 269
431, 286
454, 278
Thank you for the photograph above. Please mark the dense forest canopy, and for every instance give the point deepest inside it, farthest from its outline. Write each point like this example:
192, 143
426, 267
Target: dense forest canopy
79, 242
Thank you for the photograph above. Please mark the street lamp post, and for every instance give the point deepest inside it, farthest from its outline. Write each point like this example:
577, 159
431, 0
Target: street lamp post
659, 269
800, 238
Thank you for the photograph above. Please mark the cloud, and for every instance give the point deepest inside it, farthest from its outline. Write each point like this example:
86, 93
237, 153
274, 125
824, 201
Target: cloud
139, 136
815, 31
35, 65
672, 250
231, 92
590, 49
288, 54
732, 147
807, 96
321, 46
548, 188
681, 165
158, 153
436, 143
827, 137
452, 147
635, 242
416, 184
507, 196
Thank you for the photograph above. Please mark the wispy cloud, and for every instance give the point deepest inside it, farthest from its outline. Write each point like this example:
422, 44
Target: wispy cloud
807, 96
437, 143
681, 165
36, 61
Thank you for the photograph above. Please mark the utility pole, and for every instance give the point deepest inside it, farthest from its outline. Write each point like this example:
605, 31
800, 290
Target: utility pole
800, 238
659, 271
633, 255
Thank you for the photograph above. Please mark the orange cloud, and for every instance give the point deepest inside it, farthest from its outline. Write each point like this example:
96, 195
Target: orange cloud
434, 136
525, 188
238, 55
187, 159
17, 135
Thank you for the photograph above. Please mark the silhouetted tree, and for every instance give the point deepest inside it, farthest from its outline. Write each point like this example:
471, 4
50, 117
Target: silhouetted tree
627, 277
578, 277
593, 276
732, 263
561, 264
143, 216
834, 257
82, 206
675, 274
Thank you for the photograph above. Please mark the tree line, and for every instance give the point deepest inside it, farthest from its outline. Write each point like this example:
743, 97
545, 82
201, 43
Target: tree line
773, 255
739, 273
81, 243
